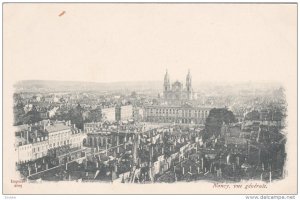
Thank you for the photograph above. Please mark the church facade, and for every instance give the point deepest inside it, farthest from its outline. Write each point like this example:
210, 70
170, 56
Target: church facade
176, 105
177, 93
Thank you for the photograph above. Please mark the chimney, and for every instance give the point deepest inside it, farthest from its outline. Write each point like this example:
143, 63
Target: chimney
238, 160
228, 159
152, 150
35, 132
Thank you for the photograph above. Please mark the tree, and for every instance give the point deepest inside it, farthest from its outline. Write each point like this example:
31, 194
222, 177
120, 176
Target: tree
75, 115
215, 120
19, 114
32, 116
253, 115
95, 115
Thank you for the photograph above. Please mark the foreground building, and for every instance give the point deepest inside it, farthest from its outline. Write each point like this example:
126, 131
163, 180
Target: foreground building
35, 141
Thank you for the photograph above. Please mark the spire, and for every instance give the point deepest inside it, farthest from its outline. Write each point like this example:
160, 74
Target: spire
167, 76
189, 84
166, 81
188, 79
189, 74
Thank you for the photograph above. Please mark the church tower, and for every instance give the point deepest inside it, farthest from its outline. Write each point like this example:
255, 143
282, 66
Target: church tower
189, 85
166, 83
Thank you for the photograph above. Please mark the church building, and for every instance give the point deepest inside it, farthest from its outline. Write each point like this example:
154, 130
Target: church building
176, 93
177, 106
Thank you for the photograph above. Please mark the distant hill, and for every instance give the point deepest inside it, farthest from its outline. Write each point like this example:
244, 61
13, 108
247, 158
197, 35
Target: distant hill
46, 86
151, 86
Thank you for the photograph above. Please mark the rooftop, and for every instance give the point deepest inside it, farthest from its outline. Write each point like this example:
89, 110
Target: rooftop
57, 127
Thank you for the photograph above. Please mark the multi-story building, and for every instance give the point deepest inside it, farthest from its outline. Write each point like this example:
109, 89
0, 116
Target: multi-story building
23, 150
65, 134
35, 142
124, 112
182, 114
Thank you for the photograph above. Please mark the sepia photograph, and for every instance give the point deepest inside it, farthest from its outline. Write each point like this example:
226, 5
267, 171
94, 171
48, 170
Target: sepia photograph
149, 98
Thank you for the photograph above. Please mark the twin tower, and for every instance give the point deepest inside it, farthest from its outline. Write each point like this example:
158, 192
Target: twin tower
175, 92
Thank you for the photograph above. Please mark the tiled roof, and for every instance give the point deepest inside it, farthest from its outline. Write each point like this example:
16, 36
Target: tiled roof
57, 127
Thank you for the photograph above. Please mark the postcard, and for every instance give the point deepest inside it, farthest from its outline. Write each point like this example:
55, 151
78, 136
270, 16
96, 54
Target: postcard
150, 98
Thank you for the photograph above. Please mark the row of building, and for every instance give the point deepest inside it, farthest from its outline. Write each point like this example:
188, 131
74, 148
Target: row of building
33, 141
184, 114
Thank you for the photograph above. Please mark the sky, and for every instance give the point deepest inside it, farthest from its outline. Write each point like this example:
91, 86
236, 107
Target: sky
138, 42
